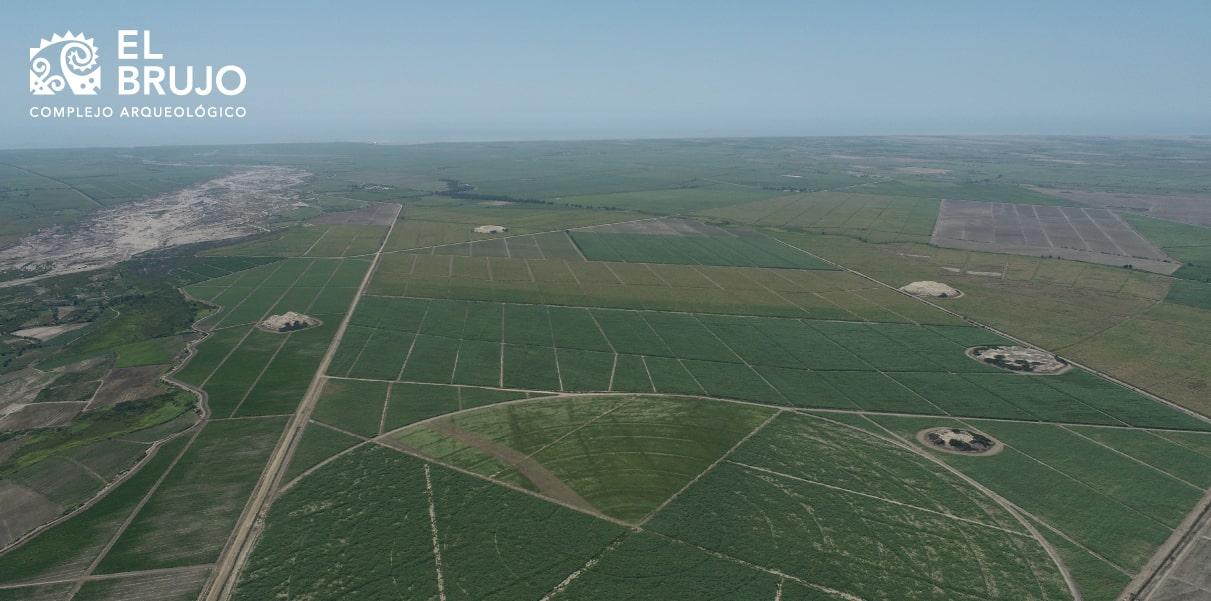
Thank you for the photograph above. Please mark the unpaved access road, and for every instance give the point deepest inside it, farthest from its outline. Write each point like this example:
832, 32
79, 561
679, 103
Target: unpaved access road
243, 537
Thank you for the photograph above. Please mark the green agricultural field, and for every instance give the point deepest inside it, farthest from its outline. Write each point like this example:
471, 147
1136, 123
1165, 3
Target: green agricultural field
575, 441
1129, 503
1187, 243
599, 457
671, 201
868, 217
821, 294
492, 541
734, 251
805, 363
68, 549
587, 406
214, 475
438, 222
312, 240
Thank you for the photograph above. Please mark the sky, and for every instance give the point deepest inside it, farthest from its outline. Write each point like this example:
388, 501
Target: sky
405, 72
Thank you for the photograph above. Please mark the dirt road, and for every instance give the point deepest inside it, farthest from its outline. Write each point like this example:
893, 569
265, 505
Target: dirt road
227, 569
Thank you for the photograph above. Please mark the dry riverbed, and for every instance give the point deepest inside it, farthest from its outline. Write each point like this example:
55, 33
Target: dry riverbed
226, 207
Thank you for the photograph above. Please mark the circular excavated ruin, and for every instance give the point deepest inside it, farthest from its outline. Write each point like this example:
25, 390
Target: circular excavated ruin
1021, 359
289, 321
931, 289
959, 440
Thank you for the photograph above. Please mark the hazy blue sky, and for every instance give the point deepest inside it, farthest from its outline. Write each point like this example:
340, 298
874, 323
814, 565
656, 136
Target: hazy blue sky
415, 71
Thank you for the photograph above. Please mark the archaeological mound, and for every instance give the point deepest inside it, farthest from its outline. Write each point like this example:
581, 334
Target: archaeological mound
958, 440
931, 289
1019, 358
288, 322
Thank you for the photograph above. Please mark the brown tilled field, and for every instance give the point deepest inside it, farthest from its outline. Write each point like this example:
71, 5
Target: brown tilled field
1091, 235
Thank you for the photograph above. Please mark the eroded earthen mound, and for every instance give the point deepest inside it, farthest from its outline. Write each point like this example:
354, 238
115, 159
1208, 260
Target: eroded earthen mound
289, 321
1019, 358
958, 440
931, 289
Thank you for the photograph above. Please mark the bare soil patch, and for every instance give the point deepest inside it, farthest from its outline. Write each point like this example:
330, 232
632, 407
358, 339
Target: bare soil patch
931, 289
1091, 235
125, 384
227, 207
20, 416
1021, 359
376, 214
544, 479
666, 226
21, 387
23, 510
960, 441
44, 333
1184, 208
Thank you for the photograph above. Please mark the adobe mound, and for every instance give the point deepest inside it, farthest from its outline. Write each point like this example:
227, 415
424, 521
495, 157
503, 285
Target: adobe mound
289, 321
958, 440
1019, 358
931, 289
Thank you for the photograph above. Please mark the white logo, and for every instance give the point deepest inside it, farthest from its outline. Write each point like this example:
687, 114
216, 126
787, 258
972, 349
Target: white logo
64, 61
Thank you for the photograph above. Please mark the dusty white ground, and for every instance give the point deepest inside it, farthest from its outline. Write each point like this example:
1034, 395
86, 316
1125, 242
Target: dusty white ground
227, 207
930, 288
44, 333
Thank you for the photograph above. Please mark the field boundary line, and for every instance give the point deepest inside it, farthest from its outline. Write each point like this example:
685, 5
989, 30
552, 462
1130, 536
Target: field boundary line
307, 472
968, 320
771, 571
722, 457
248, 333
411, 345
1173, 551
317, 241
91, 471
1072, 541
588, 565
114, 576
1022, 516
339, 429
1133, 458
1083, 483
672, 311
390, 443
568, 265
1102, 231
382, 418
285, 339
437, 549
731, 350
544, 447
794, 408
878, 498
134, 513
223, 579
563, 229
99, 204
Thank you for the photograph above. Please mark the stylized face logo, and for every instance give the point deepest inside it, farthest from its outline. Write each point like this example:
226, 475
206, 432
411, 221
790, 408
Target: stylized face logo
64, 61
